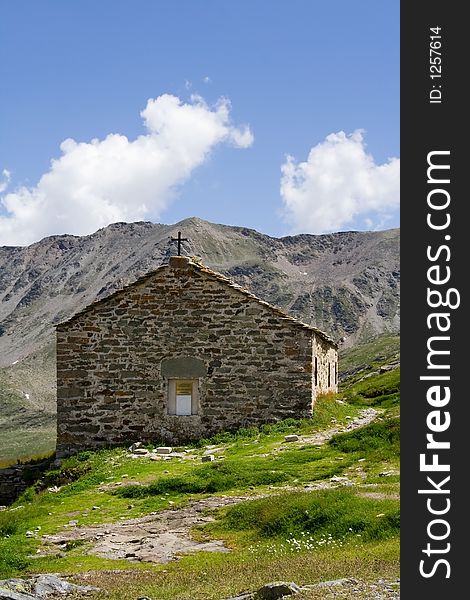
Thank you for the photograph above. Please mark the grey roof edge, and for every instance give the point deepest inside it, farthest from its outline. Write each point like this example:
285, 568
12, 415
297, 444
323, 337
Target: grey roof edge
279, 312
101, 301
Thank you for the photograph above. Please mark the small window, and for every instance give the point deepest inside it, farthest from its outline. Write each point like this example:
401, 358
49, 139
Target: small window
329, 375
183, 397
316, 371
184, 394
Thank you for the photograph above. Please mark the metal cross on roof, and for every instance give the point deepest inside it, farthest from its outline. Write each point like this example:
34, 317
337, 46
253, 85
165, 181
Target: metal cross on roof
179, 239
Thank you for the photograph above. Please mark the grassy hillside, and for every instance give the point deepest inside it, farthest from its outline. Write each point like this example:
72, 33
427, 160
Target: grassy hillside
382, 351
27, 407
323, 507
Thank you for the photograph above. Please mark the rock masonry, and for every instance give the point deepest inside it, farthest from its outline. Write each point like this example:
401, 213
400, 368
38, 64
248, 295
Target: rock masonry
252, 363
16, 478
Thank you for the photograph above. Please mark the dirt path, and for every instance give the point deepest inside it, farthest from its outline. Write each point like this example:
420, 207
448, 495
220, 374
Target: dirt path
365, 416
161, 537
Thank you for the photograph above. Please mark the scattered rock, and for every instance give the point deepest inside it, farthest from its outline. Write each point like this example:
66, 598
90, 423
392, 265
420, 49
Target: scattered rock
135, 446
12, 595
291, 438
40, 587
212, 450
140, 451
207, 458
381, 589
71, 524
332, 583
276, 589
163, 450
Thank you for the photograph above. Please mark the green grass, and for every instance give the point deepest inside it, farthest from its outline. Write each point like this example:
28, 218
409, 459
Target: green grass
205, 576
325, 409
369, 356
239, 474
14, 559
339, 514
378, 390
370, 374
381, 438
211, 478
293, 535
242, 472
22, 444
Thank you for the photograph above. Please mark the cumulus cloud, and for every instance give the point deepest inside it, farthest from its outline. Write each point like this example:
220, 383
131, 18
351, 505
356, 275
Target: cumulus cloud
116, 179
338, 184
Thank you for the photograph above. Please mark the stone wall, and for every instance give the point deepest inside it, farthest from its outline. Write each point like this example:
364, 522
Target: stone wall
110, 389
15, 479
325, 366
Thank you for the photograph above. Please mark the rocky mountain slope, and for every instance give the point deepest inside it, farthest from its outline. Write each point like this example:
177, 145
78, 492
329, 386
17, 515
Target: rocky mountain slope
344, 283
347, 284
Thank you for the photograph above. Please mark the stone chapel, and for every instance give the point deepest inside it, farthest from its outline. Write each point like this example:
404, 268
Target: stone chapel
180, 354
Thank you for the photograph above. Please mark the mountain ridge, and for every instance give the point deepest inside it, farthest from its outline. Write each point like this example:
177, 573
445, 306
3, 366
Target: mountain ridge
346, 284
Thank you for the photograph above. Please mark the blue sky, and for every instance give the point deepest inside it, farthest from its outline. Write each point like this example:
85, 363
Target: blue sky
248, 100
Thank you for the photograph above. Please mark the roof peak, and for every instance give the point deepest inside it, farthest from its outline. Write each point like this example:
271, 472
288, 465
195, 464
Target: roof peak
187, 262
179, 262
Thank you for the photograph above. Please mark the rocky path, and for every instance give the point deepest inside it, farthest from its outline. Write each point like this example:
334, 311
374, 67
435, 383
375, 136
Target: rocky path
161, 537
155, 538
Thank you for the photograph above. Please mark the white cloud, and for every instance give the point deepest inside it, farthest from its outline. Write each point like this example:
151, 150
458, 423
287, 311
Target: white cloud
338, 183
6, 180
115, 179
207, 79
